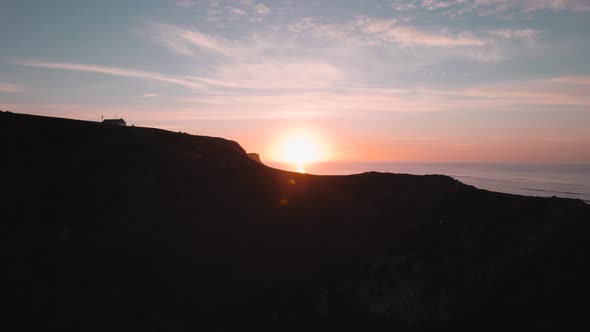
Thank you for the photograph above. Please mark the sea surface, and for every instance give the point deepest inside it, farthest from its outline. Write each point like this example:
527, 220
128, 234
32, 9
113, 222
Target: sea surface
561, 180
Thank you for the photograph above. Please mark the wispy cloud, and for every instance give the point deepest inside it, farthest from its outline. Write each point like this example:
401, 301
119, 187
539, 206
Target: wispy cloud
404, 5
151, 95
236, 11
354, 101
492, 7
574, 80
262, 9
186, 42
374, 25
252, 76
366, 31
412, 36
436, 43
302, 24
515, 33
221, 12
534, 5
437, 4
115, 71
254, 62
552, 91
9, 88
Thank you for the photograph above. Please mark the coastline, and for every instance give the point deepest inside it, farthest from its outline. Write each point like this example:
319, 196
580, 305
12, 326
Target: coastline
565, 180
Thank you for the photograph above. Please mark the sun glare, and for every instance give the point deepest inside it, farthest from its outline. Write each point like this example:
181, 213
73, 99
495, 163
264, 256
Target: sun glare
300, 150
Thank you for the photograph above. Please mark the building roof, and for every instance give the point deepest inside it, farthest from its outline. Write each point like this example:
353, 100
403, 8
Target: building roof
114, 121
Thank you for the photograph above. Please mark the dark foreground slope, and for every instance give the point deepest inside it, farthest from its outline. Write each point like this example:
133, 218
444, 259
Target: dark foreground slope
108, 228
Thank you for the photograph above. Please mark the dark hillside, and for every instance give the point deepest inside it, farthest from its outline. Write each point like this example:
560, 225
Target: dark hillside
129, 228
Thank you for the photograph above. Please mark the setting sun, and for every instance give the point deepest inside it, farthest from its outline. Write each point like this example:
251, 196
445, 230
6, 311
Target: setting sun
300, 150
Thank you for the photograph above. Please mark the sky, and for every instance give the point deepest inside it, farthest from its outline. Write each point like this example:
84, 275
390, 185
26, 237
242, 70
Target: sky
384, 80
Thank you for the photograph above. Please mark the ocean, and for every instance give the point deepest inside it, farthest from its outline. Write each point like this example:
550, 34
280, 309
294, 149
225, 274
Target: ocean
546, 180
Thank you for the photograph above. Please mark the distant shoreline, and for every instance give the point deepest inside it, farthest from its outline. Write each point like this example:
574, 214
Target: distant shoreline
567, 180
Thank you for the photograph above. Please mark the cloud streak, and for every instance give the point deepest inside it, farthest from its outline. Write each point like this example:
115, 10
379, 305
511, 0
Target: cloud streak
187, 42
9, 88
254, 62
151, 95
437, 44
116, 71
515, 33
554, 91
412, 36
355, 101
492, 7
252, 76
262, 9
366, 31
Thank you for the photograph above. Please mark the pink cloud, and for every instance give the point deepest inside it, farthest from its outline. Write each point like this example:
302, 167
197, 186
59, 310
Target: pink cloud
362, 101
515, 34
436, 4
407, 35
262, 9
571, 80
302, 24
333, 96
367, 31
184, 41
553, 91
374, 25
236, 11
246, 63
9, 88
151, 95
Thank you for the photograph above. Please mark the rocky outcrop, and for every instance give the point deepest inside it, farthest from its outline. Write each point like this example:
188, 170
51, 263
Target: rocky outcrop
255, 156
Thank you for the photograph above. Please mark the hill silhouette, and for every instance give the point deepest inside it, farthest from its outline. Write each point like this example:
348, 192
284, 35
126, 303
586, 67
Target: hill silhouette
129, 228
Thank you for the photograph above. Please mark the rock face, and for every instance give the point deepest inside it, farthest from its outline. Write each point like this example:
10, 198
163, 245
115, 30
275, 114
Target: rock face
128, 228
255, 156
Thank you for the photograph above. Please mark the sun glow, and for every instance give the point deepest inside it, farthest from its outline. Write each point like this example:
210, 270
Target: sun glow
300, 150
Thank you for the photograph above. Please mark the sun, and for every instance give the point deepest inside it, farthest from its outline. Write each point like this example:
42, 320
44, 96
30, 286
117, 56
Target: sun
301, 150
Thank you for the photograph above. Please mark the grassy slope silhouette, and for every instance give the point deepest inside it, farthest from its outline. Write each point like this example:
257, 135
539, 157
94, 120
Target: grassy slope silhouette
131, 228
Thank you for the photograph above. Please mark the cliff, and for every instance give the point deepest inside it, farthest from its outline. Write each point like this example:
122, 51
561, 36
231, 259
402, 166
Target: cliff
129, 228
255, 157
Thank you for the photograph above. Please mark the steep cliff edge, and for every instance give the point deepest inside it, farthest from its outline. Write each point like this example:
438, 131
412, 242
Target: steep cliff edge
143, 229
255, 157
